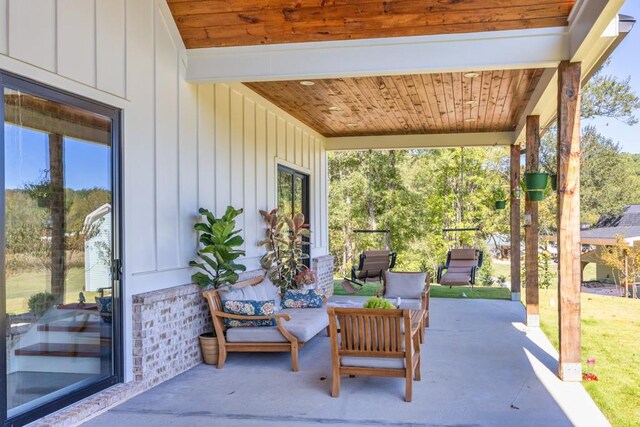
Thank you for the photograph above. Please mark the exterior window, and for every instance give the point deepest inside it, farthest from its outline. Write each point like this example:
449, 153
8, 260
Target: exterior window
59, 223
293, 196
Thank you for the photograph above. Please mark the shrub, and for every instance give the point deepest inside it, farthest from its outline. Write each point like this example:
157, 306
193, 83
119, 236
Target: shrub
41, 302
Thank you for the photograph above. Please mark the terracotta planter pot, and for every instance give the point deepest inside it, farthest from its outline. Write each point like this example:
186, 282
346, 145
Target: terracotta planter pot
501, 204
209, 346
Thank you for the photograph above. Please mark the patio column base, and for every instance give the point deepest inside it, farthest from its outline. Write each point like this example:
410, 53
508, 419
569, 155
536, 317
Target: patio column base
570, 372
533, 320
515, 296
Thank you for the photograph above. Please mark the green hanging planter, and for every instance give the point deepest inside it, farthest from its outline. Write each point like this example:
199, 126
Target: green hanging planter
535, 195
536, 180
501, 204
554, 182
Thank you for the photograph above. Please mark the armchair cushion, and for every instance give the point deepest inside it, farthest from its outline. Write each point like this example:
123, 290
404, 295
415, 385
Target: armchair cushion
302, 298
373, 362
249, 308
404, 285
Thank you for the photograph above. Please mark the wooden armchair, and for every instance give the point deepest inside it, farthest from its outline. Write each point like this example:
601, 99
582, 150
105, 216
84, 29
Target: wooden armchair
375, 342
393, 285
290, 343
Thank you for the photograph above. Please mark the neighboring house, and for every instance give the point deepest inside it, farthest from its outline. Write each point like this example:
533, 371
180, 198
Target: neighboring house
605, 232
97, 249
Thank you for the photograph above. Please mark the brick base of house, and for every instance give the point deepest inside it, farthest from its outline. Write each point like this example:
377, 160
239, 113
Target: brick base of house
166, 326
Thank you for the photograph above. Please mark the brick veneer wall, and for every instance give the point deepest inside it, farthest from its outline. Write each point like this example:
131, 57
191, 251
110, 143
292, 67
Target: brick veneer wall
166, 326
323, 267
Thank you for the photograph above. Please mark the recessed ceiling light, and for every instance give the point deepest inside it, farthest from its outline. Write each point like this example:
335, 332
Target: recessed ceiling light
471, 102
352, 125
307, 83
334, 108
471, 75
470, 119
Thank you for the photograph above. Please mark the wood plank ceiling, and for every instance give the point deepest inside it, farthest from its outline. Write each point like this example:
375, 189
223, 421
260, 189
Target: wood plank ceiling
409, 104
217, 23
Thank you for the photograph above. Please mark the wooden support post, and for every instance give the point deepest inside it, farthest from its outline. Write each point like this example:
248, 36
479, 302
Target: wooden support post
56, 175
514, 214
569, 368
531, 230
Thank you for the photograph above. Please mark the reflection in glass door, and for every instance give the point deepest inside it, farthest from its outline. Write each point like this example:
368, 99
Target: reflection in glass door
59, 249
293, 197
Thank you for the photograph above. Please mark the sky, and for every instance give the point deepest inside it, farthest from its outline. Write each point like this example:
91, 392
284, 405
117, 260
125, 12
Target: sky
625, 62
86, 165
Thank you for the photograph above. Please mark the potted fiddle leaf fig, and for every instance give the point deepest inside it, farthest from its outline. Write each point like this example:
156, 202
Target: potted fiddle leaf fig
219, 250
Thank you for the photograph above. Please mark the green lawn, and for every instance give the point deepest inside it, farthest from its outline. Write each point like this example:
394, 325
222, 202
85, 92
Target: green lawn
610, 334
437, 291
21, 286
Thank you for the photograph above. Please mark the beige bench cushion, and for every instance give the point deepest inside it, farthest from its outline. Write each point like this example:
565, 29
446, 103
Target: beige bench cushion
305, 323
373, 362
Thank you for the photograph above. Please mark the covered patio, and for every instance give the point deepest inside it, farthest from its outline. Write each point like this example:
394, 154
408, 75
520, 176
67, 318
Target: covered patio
217, 98
481, 367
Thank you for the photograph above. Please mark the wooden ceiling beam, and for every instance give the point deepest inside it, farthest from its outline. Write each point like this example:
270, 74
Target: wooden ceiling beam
503, 50
398, 142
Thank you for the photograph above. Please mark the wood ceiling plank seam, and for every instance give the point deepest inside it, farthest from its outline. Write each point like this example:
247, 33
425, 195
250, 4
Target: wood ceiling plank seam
447, 85
518, 97
503, 92
432, 97
273, 92
365, 110
187, 7
458, 100
475, 87
513, 99
496, 79
367, 87
379, 86
413, 100
527, 92
204, 39
421, 93
401, 96
465, 84
485, 86
419, 105
438, 89
494, 98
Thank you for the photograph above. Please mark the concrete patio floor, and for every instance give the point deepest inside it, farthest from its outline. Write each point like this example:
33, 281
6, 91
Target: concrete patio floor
480, 367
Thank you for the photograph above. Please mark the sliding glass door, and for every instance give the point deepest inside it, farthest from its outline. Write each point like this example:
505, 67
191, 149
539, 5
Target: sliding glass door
293, 197
60, 272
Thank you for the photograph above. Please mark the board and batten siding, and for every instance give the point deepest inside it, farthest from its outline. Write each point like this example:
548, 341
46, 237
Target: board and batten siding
184, 145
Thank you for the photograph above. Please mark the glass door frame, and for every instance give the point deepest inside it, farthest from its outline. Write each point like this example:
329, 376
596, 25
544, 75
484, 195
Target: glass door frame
306, 205
13, 81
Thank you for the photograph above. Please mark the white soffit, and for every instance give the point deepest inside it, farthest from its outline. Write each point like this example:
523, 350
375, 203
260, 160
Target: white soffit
489, 50
399, 142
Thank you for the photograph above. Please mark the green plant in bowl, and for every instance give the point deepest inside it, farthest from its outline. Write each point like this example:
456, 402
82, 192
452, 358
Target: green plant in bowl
377, 302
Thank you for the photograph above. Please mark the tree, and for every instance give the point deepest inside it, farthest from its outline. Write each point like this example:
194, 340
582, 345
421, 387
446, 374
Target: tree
624, 260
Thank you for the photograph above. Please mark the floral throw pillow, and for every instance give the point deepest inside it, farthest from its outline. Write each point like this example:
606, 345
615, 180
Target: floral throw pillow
249, 308
302, 298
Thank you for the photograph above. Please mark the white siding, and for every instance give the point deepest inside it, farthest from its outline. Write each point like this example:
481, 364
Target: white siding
185, 146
